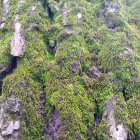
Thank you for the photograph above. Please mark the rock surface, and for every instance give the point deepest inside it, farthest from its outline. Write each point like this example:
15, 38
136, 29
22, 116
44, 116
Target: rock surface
17, 42
5, 12
54, 126
79, 78
9, 127
117, 131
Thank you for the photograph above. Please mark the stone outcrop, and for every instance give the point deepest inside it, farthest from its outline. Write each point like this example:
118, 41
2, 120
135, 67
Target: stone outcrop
54, 126
94, 72
9, 127
5, 4
113, 8
85, 56
17, 42
117, 131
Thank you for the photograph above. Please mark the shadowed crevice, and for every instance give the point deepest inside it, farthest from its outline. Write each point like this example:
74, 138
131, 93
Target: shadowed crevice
10, 68
48, 8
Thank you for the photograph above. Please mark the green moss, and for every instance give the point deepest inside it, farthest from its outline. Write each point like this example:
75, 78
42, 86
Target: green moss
5, 50
27, 91
76, 110
64, 74
133, 108
102, 131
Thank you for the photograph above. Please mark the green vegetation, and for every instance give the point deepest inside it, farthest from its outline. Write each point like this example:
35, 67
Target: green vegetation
72, 86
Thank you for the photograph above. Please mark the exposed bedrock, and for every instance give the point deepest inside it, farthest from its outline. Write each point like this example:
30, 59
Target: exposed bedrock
6, 9
17, 42
54, 127
9, 127
117, 131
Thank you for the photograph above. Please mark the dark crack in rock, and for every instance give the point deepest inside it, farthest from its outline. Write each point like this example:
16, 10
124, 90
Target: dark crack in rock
42, 102
52, 47
111, 25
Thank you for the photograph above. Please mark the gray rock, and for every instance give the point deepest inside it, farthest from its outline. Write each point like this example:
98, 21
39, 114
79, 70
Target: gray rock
111, 25
117, 131
112, 7
13, 105
32, 9
94, 72
33, 27
126, 52
54, 126
6, 8
5, 12
17, 42
9, 127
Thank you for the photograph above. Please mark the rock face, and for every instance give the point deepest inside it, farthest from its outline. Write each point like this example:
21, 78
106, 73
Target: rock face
80, 76
9, 127
54, 126
112, 7
126, 52
17, 42
94, 72
6, 7
117, 131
